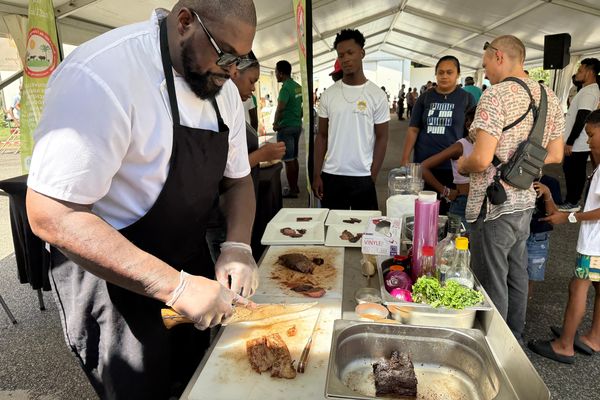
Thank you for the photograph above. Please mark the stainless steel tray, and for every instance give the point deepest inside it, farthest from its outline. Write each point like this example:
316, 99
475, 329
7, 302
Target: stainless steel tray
389, 299
449, 363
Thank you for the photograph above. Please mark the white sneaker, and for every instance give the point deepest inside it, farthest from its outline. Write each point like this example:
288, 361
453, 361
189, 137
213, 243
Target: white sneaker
568, 207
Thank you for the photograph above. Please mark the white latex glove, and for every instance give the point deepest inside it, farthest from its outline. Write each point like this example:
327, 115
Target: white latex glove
236, 261
204, 301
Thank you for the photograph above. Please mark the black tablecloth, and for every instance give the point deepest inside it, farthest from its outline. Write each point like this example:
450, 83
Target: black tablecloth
268, 203
33, 261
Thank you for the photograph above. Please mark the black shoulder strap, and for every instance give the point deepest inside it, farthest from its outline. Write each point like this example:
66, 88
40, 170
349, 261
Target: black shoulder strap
531, 107
536, 134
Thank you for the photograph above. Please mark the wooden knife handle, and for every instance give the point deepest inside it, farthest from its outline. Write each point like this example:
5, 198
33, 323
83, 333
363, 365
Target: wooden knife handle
171, 318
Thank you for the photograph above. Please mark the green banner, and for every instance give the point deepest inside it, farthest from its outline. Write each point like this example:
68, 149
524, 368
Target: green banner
301, 32
41, 60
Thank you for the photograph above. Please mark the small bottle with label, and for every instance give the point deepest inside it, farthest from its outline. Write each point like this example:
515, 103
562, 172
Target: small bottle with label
427, 264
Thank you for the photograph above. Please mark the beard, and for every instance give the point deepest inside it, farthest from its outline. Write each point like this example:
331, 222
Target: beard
202, 84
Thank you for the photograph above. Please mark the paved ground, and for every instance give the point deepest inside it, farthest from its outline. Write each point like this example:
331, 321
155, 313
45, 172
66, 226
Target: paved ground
35, 362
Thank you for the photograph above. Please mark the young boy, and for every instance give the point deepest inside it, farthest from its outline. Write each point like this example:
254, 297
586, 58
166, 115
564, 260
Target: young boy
587, 268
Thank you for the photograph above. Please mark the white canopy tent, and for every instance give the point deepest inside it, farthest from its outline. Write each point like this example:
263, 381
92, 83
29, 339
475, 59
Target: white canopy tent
417, 30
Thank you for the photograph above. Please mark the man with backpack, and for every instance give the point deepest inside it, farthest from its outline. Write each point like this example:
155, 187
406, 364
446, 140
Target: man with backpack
499, 229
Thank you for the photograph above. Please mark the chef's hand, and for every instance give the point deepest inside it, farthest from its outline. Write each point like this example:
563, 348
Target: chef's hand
204, 301
317, 187
236, 261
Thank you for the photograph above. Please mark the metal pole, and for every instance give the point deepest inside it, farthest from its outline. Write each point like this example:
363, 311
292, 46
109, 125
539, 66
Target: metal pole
10, 315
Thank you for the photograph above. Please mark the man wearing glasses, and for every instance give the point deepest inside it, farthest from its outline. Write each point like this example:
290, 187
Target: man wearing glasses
141, 130
499, 232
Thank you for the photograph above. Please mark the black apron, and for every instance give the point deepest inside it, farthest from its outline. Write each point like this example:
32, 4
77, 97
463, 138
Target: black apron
118, 335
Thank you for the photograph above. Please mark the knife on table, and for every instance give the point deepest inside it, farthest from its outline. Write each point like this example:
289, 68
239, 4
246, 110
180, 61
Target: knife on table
240, 313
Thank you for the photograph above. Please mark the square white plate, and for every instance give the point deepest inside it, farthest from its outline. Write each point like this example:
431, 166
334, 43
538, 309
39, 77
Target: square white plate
290, 215
315, 233
337, 217
334, 232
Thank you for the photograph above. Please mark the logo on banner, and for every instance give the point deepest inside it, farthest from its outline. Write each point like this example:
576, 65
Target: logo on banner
300, 31
42, 54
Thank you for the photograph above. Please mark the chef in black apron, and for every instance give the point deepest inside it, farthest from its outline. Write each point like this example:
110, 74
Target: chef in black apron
110, 293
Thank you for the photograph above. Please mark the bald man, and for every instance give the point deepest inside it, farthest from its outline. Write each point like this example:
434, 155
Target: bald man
499, 232
141, 129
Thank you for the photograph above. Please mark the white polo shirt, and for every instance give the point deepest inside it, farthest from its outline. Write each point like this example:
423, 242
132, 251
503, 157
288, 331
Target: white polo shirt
106, 133
586, 99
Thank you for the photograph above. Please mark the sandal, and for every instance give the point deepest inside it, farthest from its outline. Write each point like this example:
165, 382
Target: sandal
544, 349
577, 343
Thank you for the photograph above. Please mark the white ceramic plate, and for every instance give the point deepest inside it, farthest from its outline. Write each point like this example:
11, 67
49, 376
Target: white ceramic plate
337, 217
334, 232
315, 233
290, 215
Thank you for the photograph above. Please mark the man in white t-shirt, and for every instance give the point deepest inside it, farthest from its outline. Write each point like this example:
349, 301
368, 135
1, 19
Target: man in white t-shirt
577, 150
586, 271
141, 129
353, 131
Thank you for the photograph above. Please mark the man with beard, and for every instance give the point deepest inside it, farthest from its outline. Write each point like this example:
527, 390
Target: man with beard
141, 130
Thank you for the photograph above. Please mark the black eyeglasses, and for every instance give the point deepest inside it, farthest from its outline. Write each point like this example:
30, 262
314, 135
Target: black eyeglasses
487, 45
225, 60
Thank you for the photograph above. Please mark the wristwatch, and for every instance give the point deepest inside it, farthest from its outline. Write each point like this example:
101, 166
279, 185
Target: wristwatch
572, 218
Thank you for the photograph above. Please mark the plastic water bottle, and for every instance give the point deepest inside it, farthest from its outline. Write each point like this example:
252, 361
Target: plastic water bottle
460, 271
445, 251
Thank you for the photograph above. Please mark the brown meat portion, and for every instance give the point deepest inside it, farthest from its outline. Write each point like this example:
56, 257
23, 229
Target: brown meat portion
282, 366
349, 236
303, 219
292, 232
352, 220
318, 261
297, 262
395, 376
259, 355
292, 331
309, 290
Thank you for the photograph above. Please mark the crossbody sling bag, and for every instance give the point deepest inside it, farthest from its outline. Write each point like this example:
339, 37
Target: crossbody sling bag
526, 164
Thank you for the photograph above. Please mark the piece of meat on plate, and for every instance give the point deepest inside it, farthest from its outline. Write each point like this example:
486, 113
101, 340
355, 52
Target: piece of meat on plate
297, 262
309, 290
270, 353
292, 232
395, 376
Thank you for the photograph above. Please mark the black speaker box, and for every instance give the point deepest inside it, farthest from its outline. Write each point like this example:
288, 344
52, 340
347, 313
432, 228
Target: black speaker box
556, 51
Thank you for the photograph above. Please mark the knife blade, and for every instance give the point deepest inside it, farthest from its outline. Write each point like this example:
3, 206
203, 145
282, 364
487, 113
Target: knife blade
172, 318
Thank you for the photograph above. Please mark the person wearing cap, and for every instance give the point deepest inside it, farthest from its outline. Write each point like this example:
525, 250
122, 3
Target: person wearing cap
353, 130
471, 88
142, 129
337, 72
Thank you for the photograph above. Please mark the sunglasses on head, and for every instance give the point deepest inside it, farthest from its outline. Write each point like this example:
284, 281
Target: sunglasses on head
487, 45
224, 60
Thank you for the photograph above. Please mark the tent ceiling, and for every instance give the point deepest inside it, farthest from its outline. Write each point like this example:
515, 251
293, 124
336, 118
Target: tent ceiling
420, 30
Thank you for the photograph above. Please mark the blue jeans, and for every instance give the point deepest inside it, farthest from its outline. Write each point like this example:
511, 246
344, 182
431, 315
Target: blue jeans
457, 207
290, 135
537, 255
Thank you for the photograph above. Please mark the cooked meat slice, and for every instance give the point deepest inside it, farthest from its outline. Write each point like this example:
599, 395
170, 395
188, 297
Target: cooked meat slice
355, 220
301, 231
346, 235
297, 262
292, 232
355, 238
395, 376
261, 359
270, 352
292, 331
347, 221
309, 290
303, 219
282, 366
318, 261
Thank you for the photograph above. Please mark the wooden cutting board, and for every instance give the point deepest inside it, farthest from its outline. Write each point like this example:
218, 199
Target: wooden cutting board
227, 374
274, 278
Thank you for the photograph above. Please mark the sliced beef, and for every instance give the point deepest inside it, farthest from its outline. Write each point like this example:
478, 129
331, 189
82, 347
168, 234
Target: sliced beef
293, 232
395, 376
349, 236
303, 219
318, 261
352, 221
309, 290
270, 352
297, 262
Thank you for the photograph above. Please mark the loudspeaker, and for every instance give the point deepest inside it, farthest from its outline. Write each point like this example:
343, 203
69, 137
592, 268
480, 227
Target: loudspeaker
556, 51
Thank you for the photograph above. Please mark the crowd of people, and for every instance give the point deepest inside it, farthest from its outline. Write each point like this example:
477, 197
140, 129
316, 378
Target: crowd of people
177, 155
